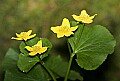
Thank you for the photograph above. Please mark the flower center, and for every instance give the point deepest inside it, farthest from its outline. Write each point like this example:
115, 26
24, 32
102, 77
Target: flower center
63, 29
84, 17
24, 35
36, 48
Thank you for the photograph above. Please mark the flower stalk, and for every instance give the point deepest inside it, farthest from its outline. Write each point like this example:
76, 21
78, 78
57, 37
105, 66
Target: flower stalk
48, 70
71, 57
69, 65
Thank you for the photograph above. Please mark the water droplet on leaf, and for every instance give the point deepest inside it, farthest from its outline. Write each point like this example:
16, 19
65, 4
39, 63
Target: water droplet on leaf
29, 61
23, 71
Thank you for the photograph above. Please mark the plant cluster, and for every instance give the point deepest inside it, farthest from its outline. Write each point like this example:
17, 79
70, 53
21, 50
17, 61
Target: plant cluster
91, 45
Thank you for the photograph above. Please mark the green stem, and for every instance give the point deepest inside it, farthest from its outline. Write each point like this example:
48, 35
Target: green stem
69, 48
71, 58
25, 43
49, 71
82, 30
69, 65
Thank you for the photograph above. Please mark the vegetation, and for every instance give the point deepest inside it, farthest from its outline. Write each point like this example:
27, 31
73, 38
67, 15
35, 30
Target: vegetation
40, 15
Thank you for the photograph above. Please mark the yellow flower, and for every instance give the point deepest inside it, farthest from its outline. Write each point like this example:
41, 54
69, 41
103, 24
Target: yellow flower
36, 49
24, 36
64, 29
84, 17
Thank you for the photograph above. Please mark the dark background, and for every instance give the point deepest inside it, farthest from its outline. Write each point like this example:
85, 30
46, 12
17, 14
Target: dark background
40, 15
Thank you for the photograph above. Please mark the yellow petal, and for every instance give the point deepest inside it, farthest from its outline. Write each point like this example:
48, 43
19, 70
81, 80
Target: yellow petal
25, 39
73, 28
77, 18
42, 50
88, 21
29, 32
59, 35
68, 33
84, 13
55, 29
29, 48
65, 22
16, 38
18, 35
39, 43
31, 36
93, 16
32, 53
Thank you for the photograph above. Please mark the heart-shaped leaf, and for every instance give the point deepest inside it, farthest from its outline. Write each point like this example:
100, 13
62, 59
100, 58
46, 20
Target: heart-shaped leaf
92, 45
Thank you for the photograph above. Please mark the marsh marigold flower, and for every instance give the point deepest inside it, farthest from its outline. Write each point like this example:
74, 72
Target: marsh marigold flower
24, 36
36, 49
84, 17
64, 29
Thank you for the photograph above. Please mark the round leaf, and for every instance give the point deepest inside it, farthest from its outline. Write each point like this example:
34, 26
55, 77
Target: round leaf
92, 45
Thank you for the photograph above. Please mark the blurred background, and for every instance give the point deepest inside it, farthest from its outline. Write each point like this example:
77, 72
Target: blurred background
39, 15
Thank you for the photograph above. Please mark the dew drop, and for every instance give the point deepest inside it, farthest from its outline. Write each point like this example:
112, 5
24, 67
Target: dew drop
29, 61
23, 71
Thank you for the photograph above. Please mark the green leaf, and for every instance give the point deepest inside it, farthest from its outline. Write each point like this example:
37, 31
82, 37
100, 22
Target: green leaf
10, 59
92, 45
14, 74
25, 62
75, 75
73, 23
22, 48
58, 66
36, 74
33, 41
